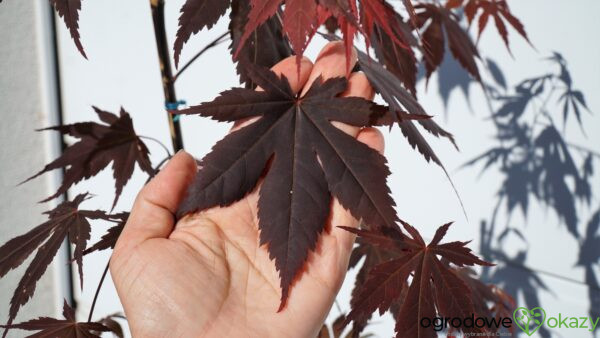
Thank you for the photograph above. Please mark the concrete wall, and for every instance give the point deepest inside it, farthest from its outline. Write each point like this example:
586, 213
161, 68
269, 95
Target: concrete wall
27, 102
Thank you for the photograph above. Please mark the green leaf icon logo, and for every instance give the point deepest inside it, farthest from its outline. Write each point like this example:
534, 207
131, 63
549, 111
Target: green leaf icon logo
529, 321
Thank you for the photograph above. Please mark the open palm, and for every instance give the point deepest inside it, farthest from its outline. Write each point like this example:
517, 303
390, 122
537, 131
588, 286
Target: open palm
208, 275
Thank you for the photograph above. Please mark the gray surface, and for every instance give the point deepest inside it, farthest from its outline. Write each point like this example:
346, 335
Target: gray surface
27, 102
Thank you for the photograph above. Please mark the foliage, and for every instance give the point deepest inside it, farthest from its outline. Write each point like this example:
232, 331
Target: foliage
68, 327
433, 285
100, 145
291, 133
65, 221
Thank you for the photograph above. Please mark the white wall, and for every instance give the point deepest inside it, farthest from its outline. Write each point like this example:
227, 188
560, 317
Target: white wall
123, 70
27, 101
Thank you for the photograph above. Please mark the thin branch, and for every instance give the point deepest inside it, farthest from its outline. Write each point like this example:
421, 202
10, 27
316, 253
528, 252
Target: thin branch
220, 39
157, 168
98, 292
116, 221
158, 142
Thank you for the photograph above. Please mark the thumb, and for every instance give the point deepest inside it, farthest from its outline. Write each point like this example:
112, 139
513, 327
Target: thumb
152, 214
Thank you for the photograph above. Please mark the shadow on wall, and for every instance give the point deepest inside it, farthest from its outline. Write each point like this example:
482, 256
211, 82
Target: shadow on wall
539, 165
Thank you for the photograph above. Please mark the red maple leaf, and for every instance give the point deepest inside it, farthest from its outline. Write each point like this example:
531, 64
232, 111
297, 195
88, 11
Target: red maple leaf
68, 10
293, 133
68, 327
499, 11
98, 146
439, 25
109, 239
299, 20
434, 288
265, 47
64, 221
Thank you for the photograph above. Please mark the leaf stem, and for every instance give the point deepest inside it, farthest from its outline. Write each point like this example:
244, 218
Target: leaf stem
164, 58
98, 292
156, 169
158, 142
220, 39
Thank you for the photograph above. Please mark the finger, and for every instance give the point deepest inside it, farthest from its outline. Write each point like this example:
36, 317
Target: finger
289, 69
358, 86
330, 63
373, 138
152, 214
340, 216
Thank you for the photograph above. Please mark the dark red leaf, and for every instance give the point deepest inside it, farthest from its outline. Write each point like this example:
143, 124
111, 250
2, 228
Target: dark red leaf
100, 145
69, 11
399, 99
411, 11
398, 59
403, 104
195, 16
373, 255
498, 9
454, 3
109, 239
348, 32
331, 24
377, 13
292, 132
488, 300
266, 46
324, 332
301, 19
260, 11
470, 10
64, 221
433, 285
342, 9
337, 330
433, 44
300, 23
112, 324
68, 327
442, 24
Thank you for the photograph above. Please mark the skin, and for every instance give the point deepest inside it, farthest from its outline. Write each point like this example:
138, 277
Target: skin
206, 275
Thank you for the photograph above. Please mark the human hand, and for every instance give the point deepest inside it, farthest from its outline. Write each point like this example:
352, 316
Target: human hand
207, 274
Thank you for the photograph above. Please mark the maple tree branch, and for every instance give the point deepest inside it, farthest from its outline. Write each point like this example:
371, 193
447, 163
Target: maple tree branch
220, 39
98, 292
164, 57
